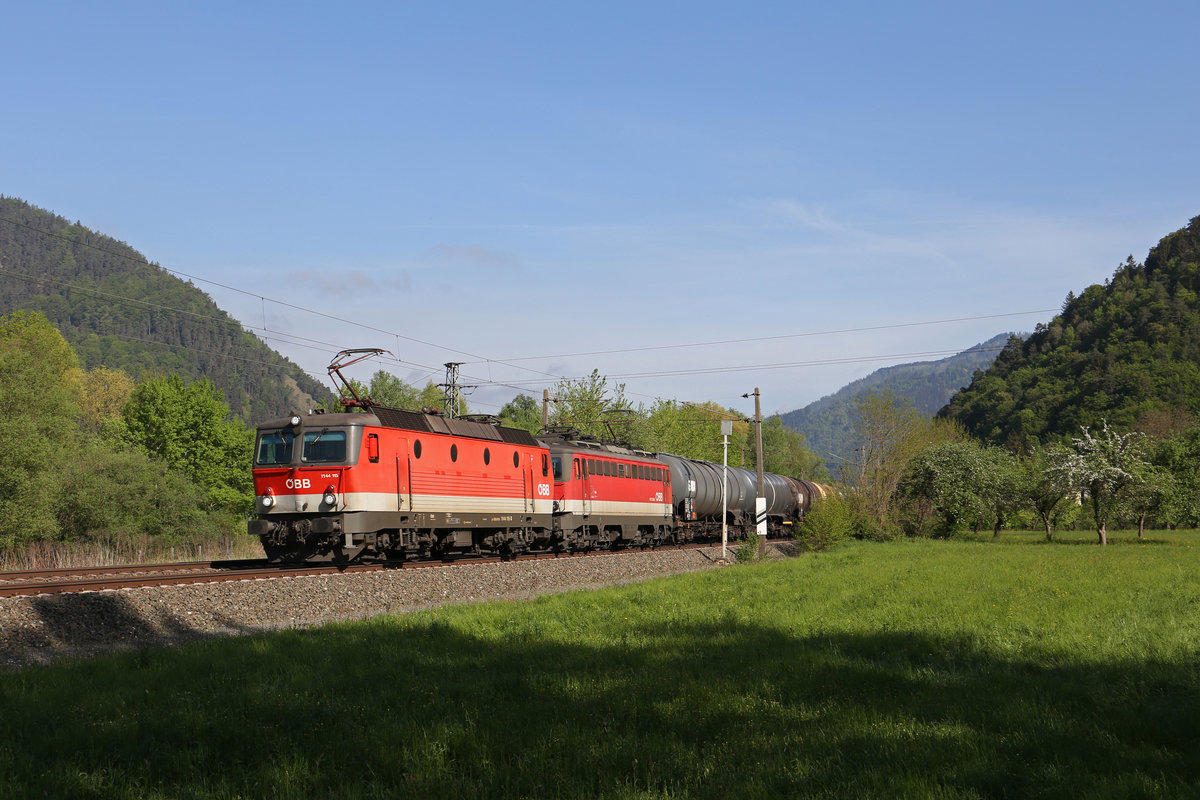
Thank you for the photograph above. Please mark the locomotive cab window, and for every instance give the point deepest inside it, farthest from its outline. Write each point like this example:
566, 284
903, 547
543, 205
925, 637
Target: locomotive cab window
557, 463
275, 447
324, 447
373, 447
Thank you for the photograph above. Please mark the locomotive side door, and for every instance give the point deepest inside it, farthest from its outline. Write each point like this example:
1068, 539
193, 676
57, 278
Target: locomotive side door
527, 486
403, 476
581, 463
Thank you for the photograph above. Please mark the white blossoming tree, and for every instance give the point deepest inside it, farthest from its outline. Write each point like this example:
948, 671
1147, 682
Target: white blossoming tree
1105, 466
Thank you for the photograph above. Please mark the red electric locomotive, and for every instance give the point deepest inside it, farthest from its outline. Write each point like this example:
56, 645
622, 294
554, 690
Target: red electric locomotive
608, 496
390, 483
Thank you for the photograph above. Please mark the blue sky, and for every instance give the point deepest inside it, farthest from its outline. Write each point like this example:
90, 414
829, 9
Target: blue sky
543, 181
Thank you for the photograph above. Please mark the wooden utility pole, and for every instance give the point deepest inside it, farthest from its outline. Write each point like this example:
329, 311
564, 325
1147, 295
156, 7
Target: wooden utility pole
545, 408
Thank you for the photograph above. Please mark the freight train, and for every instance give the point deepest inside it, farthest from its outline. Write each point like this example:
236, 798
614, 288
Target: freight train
387, 484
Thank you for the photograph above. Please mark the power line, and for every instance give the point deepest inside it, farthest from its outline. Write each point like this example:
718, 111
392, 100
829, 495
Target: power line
781, 336
774, 366
294, 340
260, 297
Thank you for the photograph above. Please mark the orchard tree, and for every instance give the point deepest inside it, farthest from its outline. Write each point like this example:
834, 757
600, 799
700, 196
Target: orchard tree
1156, 495
1105, 466
1045, 490
953, 480
1179, 455
1002, 486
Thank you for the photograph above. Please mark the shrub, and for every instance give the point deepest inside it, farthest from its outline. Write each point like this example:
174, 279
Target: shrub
747, 551
827, 523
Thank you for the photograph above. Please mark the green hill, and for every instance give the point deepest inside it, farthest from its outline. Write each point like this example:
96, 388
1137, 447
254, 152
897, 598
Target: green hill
826, 423
120, 311
1127, 351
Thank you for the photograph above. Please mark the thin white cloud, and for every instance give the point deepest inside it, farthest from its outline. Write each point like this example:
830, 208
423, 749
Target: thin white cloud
468, 255
354, 281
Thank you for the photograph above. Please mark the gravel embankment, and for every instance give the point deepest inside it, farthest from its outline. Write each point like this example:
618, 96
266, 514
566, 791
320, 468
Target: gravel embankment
40, 629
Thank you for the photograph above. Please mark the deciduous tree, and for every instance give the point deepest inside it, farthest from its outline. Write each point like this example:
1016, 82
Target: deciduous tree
1105, 465
39, 395
188, 427
888, 432
588, 405
1044, 489
522, 412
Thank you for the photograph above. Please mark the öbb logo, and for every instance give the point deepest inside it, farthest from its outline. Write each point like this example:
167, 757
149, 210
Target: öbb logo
298, 483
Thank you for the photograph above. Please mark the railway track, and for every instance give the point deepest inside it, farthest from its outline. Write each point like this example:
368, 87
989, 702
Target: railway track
97, 579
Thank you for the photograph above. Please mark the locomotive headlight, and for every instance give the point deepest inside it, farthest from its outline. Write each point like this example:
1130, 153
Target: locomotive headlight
330, 497
268, 500
295, 421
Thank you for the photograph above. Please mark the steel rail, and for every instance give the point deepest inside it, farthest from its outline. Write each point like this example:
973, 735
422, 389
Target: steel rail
19, 584
177, 566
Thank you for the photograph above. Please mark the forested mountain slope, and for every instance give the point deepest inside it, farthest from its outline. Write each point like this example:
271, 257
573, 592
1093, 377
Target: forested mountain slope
826, 423
118, 311
1127, 351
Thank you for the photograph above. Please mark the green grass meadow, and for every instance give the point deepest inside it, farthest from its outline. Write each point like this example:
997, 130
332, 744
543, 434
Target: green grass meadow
969, 668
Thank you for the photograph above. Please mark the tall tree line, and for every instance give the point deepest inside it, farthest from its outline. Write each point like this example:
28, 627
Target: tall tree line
90, 455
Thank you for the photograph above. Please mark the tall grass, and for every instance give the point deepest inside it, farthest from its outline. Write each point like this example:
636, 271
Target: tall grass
907, 669
128, 550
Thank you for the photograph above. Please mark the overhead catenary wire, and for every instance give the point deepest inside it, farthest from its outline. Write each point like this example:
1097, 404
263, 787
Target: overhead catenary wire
770, 366
752, 339
261, 297
517, 385
294, 340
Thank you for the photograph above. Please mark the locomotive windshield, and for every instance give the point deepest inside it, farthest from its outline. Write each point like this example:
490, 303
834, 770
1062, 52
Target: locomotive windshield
324, 447
275, 447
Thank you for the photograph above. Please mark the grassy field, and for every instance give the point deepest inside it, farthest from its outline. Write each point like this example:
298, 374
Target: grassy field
909, 669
